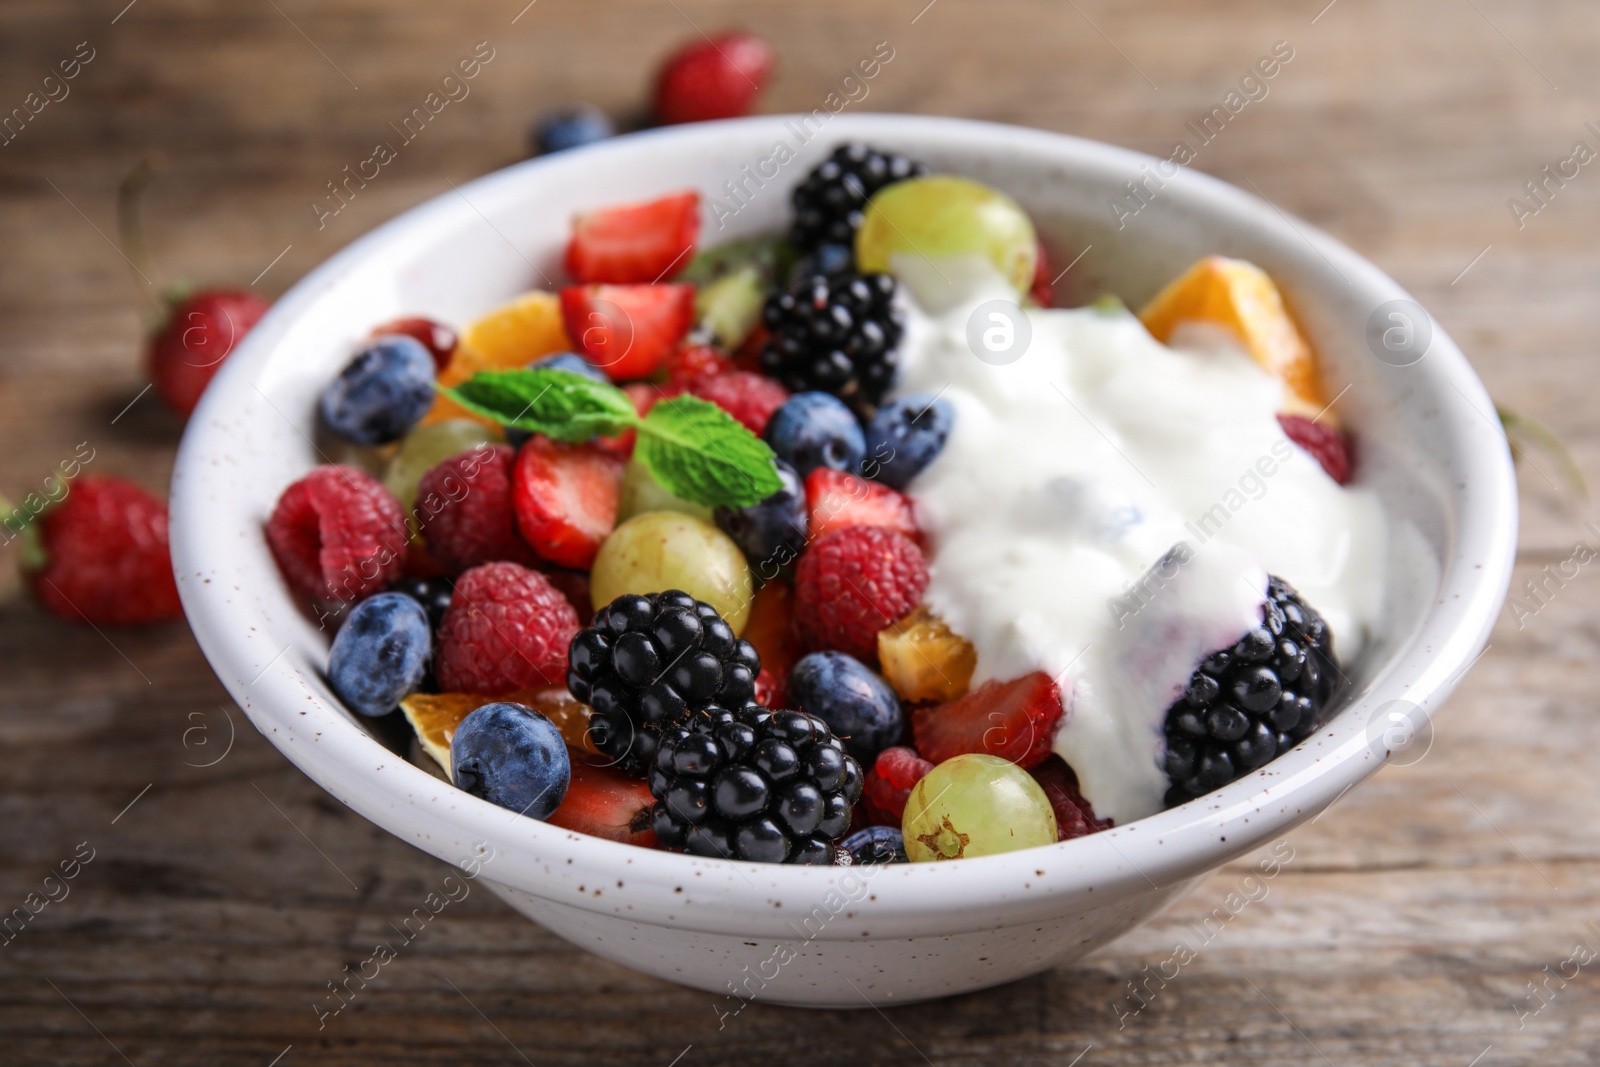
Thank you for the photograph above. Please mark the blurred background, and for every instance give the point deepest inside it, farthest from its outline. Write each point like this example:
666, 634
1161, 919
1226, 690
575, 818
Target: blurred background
1441, 914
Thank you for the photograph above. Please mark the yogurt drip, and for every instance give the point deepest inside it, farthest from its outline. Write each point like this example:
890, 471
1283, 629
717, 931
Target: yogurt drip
1107, 510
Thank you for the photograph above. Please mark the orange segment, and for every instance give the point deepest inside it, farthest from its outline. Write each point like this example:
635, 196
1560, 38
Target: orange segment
511, 336
435, 716
923, 659
1241, 297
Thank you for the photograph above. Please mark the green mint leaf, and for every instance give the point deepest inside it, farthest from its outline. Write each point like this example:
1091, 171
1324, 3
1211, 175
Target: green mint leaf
557, 403
696, 450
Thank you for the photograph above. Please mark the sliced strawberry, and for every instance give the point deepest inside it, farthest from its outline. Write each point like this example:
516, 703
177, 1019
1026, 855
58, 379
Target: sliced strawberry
837, 499
604, 802
1327, 444
1074, 815
627, 330
633, 243
1014, 720
565, 498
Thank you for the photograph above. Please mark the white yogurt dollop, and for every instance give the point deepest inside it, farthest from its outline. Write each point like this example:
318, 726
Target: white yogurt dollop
1107, 510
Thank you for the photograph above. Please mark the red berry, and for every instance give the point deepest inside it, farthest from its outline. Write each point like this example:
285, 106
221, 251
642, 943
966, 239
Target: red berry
687, 364
337, 534
1074, 815
198, 335
464, 510
604, 802
888, 785
104, 553
633, 243
574, 585
627, 330
439, 339
837, 499
1042, 290
750, 398
565, 498
854, 582
507, 628
1327, 445
1014, 720
712, 78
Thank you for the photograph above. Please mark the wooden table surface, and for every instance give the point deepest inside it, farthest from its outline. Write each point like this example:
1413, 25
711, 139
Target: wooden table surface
1444, 913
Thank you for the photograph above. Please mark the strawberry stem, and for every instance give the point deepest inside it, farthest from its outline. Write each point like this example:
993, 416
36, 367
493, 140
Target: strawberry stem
130, 224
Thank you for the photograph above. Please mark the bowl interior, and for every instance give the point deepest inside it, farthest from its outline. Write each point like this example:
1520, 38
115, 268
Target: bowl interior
1427, 443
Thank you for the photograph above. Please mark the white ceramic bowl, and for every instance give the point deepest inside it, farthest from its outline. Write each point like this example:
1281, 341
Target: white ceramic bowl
836, 936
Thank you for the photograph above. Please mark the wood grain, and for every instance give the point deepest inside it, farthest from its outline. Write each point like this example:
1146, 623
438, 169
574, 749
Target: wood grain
1414, 914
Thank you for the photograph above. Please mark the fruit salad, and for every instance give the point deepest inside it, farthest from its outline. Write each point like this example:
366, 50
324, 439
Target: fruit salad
840, 545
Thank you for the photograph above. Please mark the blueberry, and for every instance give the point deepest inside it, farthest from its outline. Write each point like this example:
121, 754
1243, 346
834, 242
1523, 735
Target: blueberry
875, 844
571, 128
510, 755
905, 436
382, 393
433, 594
855, 703
814, 430
569, 361
773, 532
380, 653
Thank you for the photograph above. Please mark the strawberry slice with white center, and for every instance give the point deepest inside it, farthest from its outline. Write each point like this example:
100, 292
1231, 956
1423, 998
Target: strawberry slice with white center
604, 802
633, 243
837, 499
1014, 720
627, 330
565, 497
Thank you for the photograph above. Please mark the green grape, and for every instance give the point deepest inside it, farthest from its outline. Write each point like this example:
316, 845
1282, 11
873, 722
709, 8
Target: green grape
662, 550
642, 493
731, 306
976, 805
944, 216
427, 447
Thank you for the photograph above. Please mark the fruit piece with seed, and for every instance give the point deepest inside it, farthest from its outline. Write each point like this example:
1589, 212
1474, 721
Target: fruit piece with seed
836, 500
1015, 720
627, 244
976, 805
565, 497
663, 550
924, 660
627, 330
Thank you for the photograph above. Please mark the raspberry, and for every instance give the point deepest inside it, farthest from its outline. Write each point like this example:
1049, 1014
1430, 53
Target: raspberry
464, 510
687, 364
854, 582
507, 628
750, 398
337, 534
1327, 445
889, 784
1074, 815
101, 555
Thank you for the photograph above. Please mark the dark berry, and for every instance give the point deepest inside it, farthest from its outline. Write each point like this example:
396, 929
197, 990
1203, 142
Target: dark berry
380, 653
432, 593
753, 784
382, 393
773, 532
829, 202
645, 662
570, 128
875, 844
816, 430
828, 260
858, 706
1251, 702
511, 755
904, 436
838, 334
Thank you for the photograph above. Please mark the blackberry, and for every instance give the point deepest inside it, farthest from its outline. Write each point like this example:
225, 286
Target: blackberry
835, 334
753, 784
646, 662
829, 202
1250, 703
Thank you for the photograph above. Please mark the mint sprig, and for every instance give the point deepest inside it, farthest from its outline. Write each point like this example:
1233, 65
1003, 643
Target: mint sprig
691, 447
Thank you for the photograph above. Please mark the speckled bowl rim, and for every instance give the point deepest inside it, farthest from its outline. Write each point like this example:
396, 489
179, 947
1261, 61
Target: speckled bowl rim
219, 556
